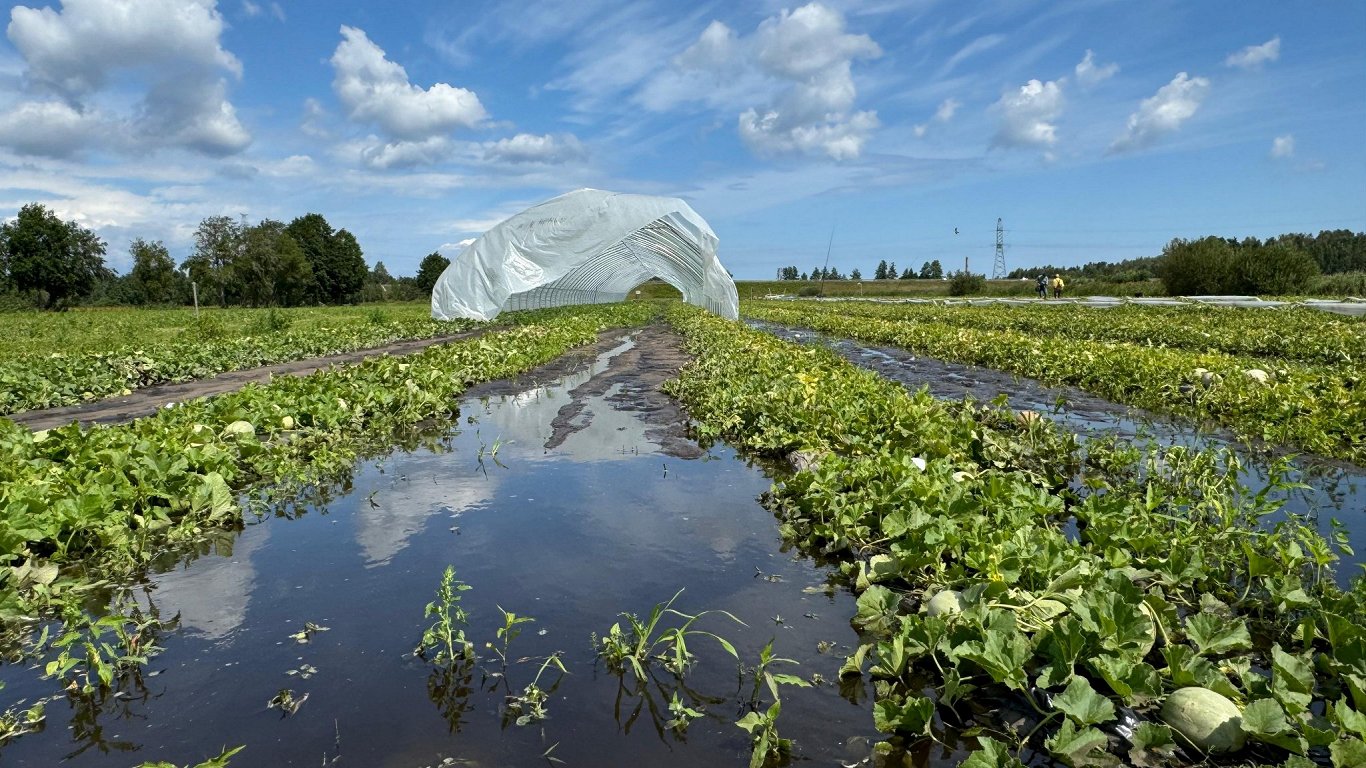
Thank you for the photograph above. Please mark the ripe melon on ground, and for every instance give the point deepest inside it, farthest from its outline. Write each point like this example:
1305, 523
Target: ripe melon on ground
1206, 720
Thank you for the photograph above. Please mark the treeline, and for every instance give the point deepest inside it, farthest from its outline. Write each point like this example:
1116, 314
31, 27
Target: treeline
1283, 265
930, 270
1126, 271
1215, 265
49, 263
1333, 252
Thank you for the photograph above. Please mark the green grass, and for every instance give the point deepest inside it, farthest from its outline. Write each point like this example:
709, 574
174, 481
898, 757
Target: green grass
117, 328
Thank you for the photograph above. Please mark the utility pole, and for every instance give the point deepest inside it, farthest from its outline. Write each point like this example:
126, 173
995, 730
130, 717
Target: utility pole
826, 268
998, 267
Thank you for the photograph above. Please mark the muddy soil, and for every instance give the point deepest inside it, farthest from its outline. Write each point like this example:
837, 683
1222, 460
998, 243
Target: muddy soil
631, 383
146, 401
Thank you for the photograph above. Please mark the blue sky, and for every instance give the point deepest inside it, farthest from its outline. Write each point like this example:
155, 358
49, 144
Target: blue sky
1096, 130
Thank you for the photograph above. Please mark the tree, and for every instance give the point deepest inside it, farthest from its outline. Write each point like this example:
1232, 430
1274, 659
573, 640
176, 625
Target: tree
1199, 267
1274, 269
335, 258
881, 272
272, 269
347, 263
891, 270
429, 270
217, 243
154, 278
936, 270
855, 274
43, 253
907, 274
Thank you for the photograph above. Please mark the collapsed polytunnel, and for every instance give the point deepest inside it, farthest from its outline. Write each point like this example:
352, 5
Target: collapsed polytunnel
586, 247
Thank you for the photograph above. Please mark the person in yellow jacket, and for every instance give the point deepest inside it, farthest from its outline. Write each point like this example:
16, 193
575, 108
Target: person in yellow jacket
1057, 286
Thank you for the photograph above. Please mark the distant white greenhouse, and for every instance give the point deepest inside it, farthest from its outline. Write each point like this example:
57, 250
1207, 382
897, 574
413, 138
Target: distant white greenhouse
586, 247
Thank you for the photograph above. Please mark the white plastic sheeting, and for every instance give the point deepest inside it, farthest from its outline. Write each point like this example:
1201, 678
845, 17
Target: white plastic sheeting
586, 247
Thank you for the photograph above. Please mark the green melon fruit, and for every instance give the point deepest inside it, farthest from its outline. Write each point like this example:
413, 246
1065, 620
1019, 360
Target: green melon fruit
945, 603
239, 430
1205, 720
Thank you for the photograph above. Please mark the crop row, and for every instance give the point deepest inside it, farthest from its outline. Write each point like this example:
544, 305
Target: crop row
59, 378
1317, 408
112, 329
106, 500
985, 577
1291, 334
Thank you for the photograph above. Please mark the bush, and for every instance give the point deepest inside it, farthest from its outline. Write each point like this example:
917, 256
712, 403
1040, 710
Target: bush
809, 290
966, 284
1199, 267
271, 321
203, 328
1275, 269
1341, 285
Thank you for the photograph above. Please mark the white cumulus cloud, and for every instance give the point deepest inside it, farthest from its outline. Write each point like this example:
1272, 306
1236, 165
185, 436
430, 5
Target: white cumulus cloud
528, 148
1089, 73
1283, 146
1163, 112
378, 153
791, 81
376, 90
167, 51
1029, 115
52, 128
1255, 56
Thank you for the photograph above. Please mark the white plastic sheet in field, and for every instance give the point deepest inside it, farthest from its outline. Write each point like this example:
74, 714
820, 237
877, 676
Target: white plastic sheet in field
586, 247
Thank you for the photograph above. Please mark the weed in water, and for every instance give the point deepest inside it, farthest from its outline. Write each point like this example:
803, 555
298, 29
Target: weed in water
763, 726
286, 702
529, 706
18, 720
646, 639
682, 714
444, 641
507, 633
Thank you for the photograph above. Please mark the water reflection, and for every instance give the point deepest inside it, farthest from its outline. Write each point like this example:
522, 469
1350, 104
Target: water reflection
571, 533
1324, 488
212, 592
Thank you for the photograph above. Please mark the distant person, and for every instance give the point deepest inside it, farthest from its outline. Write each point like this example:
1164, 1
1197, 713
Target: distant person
1041, 285
1057, 286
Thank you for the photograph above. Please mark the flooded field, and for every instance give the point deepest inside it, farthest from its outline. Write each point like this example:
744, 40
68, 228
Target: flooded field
568, 497
1332, 489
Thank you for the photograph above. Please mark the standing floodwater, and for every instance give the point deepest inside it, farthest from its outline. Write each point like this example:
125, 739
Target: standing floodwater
567, 502
1332, 489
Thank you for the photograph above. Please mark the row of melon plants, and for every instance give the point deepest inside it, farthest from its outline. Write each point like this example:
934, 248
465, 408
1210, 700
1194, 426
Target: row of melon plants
84, 509
1142, 609
1316, 408
45, 378
1288, 333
